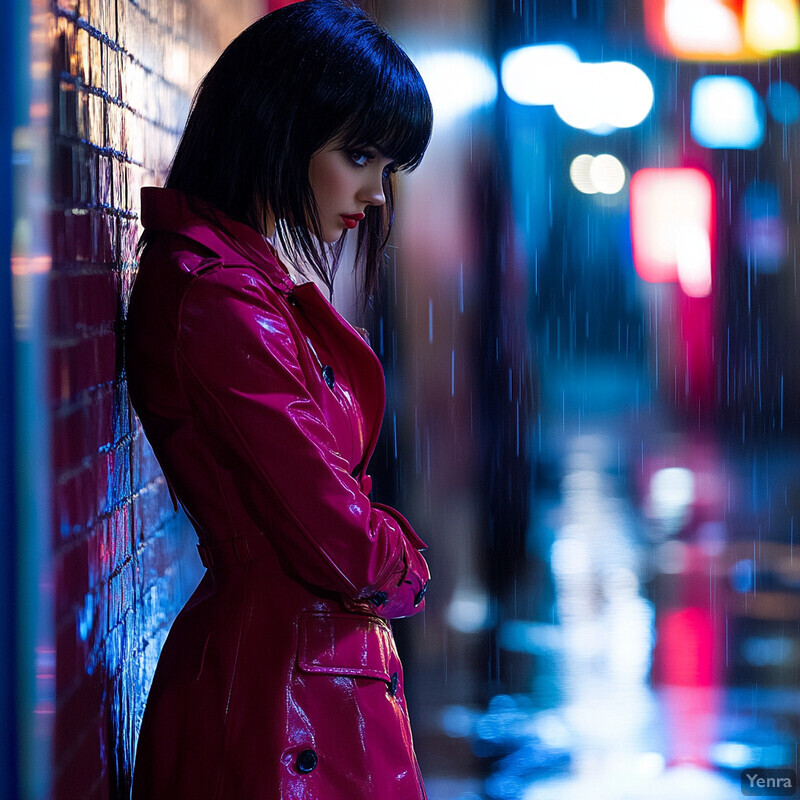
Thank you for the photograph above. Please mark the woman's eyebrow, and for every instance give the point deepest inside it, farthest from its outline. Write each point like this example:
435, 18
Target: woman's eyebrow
374, 150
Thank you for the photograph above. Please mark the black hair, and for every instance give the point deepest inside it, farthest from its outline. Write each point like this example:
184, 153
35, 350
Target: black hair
298, 78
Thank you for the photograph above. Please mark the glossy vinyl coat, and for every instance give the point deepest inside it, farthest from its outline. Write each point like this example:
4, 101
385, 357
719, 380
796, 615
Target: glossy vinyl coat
280, 677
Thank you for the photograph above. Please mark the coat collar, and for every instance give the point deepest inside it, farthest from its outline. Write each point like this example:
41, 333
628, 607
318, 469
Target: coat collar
171, 211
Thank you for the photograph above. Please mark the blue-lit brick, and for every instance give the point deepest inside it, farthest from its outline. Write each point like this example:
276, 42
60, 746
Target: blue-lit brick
123, 561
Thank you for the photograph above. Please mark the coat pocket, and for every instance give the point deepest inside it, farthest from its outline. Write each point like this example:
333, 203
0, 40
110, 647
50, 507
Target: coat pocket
346, 644
348, 731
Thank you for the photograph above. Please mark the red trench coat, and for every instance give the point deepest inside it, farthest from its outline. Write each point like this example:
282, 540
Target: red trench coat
280, 677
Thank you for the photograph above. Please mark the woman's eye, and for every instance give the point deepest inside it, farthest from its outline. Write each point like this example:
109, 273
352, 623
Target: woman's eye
359, 158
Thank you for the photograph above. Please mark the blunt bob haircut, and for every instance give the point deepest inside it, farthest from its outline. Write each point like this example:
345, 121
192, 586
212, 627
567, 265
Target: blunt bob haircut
305, 75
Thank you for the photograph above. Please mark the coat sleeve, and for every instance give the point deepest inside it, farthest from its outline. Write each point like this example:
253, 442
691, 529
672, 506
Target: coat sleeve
241, 370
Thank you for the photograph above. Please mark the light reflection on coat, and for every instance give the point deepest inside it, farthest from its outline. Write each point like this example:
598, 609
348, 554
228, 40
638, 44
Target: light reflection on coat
280, 677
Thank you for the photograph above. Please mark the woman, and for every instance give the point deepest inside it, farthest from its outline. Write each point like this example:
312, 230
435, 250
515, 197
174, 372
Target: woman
279, 678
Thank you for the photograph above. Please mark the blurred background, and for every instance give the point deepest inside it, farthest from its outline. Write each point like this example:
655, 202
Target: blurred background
588, 326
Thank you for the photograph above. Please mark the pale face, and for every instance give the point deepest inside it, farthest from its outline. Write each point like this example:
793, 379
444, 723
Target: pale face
345, 182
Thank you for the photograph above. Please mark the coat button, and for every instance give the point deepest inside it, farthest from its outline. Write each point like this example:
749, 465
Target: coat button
394, 684
292, 300
327, 374
306, 761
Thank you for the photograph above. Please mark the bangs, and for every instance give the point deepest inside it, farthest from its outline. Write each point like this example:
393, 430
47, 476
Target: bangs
395, 115
301, 77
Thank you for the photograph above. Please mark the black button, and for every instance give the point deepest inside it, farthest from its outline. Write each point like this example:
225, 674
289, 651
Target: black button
420, 594
327, 373
306, 761
292, 300
394, 684
378, 599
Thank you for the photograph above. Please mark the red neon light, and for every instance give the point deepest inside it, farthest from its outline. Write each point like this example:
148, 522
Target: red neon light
672, 227
687, 647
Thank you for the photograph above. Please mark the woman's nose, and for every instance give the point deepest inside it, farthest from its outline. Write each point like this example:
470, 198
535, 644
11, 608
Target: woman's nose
372, 193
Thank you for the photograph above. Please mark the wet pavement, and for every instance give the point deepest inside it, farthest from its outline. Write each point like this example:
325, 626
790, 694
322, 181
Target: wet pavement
666, 662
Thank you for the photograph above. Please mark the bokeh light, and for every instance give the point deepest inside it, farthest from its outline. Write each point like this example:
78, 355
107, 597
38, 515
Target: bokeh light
533, 75
458, 82
671, 227
580, 174
630, 96
592, 174
762, 231
726, 113
783, 102
771, 25
601, 97
693, 257
703, 27
607, 174
597, 97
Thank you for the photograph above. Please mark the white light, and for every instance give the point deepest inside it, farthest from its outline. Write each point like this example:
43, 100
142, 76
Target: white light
672, 487
581, 100
593, 174
683, 781
691, 782
569, 557
458, 83
597, 97
579, 173
703, 26
630, 94
726, 112
693, 257
603, 97
733, 755
607, 174
650, 764
532, 75
468, 611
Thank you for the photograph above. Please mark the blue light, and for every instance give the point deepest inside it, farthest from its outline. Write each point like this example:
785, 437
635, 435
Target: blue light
762, 234
783, 102
742, 577
727, 113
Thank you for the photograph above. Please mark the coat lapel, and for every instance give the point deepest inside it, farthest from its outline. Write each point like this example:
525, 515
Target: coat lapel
357, 359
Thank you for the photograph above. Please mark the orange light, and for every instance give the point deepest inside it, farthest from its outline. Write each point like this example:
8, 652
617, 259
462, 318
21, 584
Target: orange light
707, 28
722, 30
772, 26
30, 265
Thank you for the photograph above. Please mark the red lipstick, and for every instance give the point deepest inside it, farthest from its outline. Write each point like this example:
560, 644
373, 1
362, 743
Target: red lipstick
351, 220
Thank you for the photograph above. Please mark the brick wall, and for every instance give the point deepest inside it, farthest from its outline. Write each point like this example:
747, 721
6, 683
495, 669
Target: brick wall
123, 562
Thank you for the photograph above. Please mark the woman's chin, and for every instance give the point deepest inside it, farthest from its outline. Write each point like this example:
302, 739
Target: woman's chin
335, 235
332, 237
